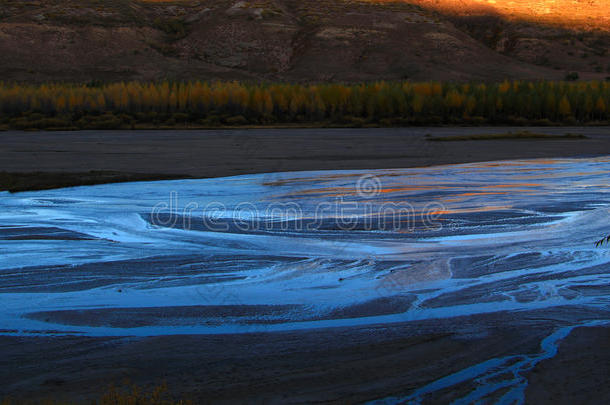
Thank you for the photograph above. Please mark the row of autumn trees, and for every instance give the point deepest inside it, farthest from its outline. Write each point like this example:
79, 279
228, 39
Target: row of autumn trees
234, 103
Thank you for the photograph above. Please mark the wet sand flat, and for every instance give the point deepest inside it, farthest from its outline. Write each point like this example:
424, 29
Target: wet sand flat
342, 365
334, 365
578, 374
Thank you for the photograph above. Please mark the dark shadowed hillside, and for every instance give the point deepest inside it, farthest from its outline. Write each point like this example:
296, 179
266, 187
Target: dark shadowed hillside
301, 40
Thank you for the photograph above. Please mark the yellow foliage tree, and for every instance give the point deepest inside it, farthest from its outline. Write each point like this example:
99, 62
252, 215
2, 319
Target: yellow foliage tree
564, 109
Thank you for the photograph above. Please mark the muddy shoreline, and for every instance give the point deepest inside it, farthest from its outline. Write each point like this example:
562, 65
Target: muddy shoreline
89, 157
340, 365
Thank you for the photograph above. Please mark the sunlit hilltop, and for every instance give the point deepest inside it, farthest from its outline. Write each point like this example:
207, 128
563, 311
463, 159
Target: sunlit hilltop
575, 13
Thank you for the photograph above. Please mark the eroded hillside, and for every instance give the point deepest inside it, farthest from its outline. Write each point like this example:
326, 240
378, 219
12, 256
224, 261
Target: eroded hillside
303, 40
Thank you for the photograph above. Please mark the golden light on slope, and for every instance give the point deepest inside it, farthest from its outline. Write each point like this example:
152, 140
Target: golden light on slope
590, 14
580, 14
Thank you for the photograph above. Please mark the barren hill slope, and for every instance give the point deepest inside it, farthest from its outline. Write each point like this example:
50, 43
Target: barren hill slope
306, 40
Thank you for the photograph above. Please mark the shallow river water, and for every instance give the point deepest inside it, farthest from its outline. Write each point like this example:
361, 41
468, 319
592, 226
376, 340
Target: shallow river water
308, 249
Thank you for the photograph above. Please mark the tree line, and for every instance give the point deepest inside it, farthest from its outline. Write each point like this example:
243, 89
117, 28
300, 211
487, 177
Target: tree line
209, 104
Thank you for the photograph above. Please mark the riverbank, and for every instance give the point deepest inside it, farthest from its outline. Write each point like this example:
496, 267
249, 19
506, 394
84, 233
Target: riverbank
341, 365
69, 158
